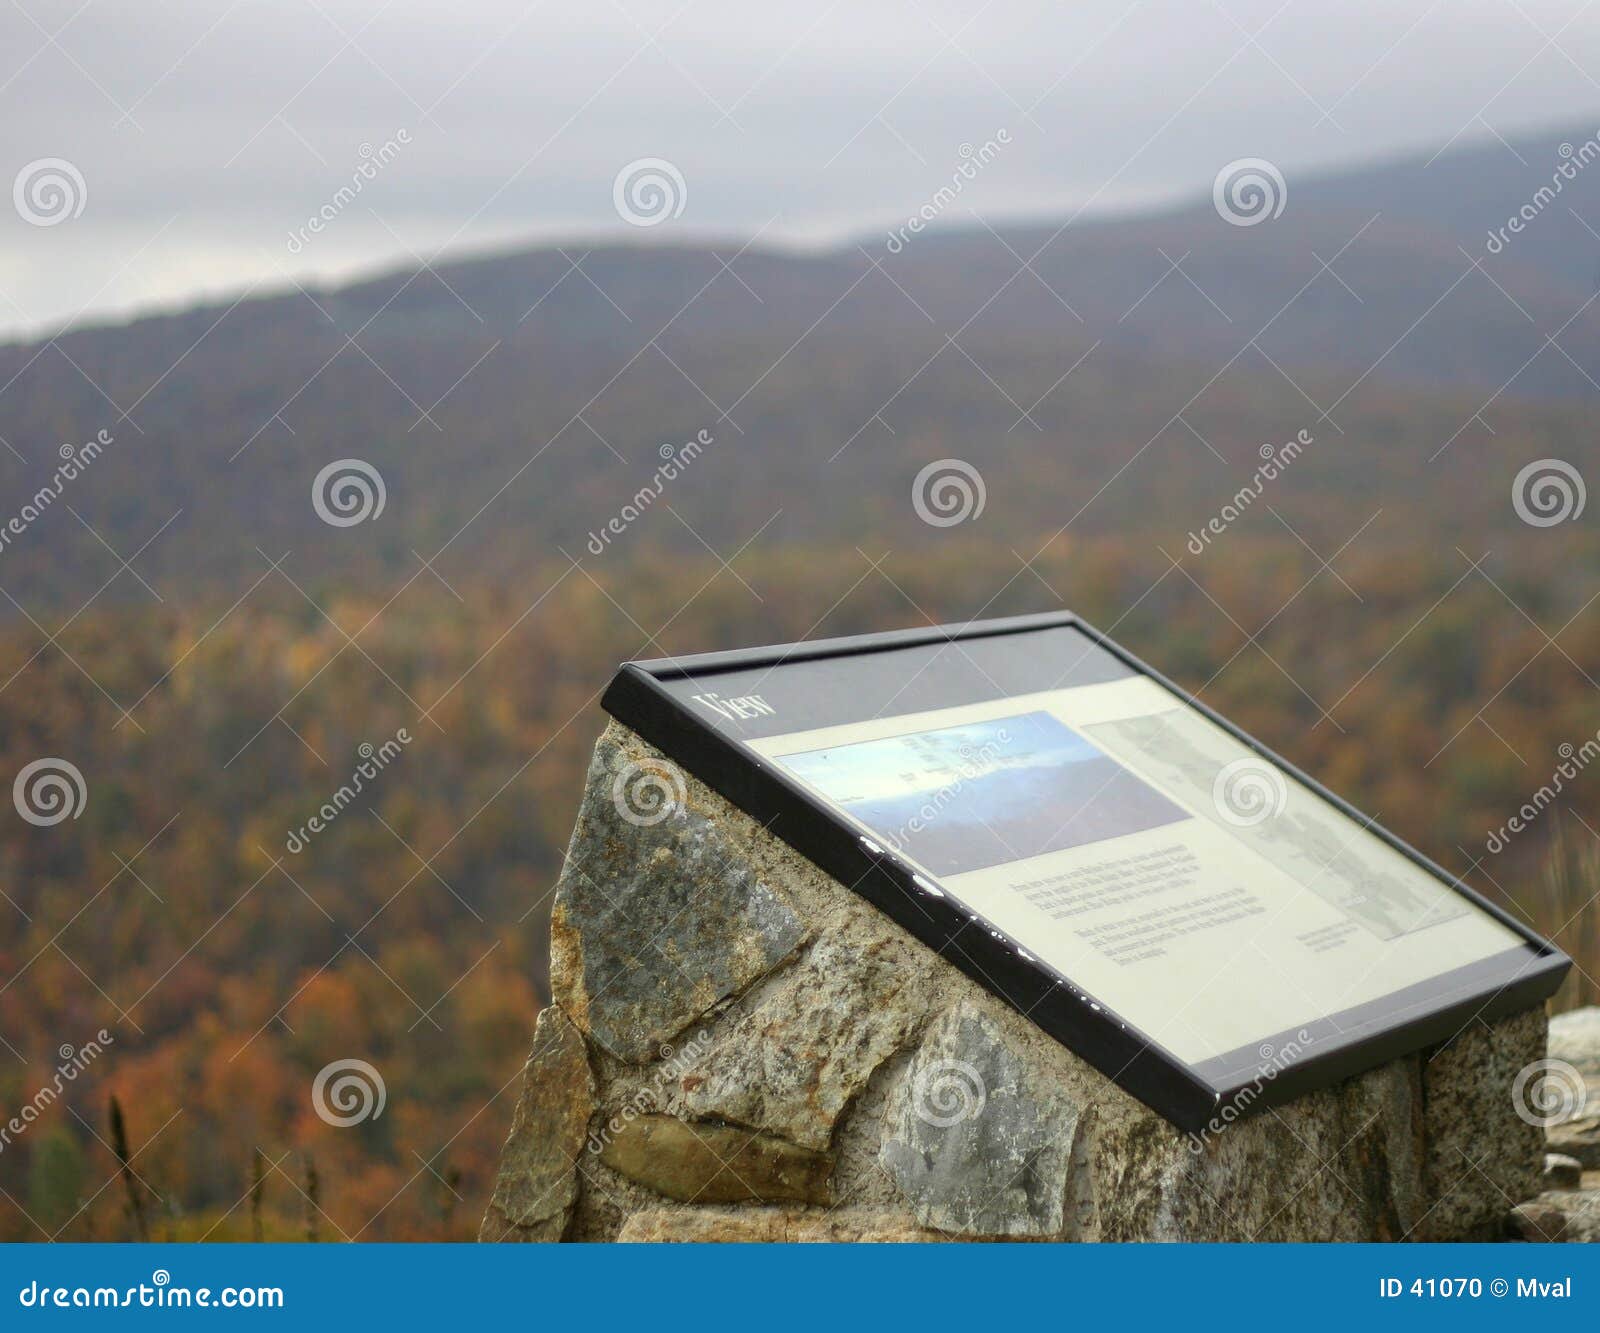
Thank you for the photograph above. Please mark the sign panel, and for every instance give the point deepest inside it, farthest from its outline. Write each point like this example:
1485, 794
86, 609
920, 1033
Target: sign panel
1152, 887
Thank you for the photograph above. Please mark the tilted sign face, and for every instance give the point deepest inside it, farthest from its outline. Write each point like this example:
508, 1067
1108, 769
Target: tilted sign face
1151, 887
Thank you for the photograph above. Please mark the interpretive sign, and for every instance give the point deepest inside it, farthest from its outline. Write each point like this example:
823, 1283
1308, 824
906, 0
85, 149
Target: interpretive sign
1153, 888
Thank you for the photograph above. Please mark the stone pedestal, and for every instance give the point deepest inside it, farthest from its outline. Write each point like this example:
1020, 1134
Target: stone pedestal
1564, 1092
741, 1049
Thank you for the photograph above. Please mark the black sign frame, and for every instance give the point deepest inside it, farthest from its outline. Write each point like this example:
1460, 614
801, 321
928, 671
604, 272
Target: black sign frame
650, 697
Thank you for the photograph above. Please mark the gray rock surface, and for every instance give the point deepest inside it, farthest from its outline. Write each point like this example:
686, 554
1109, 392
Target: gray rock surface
978, 1140
1542, 1221
1575, 1038
1580, 1211
1562, 1172
1480, 1152
794, 1061
793, 1008
1559, 1214
656, 918
1339, 1164
1578, 1138
1575, 1041
537, 1183
785, 1226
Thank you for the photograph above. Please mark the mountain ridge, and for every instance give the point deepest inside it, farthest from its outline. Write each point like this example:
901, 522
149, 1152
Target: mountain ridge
1109, 376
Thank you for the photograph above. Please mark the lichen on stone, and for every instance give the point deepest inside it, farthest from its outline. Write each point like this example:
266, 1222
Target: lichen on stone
716, 1163
795, 1060
977, 1138
657, 918
536, 1186
788, 1226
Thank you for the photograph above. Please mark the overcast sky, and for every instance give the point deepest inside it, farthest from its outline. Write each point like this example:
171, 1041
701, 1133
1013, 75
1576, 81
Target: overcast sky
207, 135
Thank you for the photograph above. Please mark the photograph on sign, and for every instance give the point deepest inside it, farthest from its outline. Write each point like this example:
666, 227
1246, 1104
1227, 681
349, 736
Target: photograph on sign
969, 797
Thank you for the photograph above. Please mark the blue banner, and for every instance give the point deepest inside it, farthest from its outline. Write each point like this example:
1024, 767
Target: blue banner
562, 1288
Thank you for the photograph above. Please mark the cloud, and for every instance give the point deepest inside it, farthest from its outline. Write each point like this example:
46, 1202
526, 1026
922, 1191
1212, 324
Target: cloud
207, 135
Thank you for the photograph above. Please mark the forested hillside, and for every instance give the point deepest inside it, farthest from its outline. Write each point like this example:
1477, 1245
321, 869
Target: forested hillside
568, 458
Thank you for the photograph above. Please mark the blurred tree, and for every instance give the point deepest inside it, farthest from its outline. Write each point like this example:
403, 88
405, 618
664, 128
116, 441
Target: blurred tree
55, 1177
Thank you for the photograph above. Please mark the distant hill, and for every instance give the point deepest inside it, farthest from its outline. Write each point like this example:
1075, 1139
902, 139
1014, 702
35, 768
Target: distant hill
1376, 609
515, 404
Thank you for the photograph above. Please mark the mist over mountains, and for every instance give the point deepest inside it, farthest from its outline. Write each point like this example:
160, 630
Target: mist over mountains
243, 545
1100, 376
